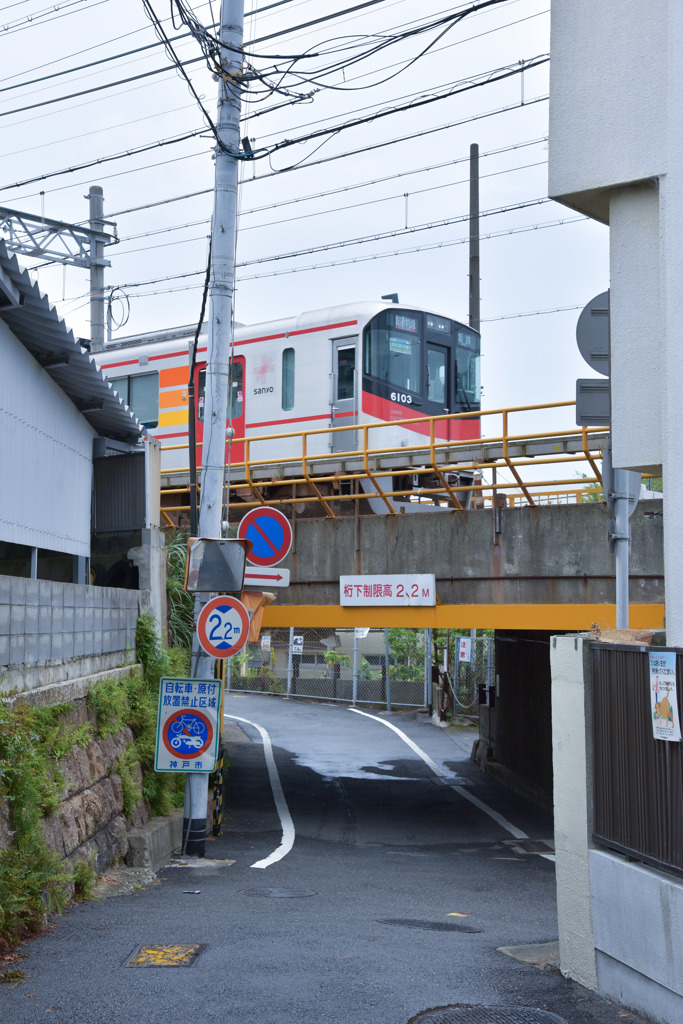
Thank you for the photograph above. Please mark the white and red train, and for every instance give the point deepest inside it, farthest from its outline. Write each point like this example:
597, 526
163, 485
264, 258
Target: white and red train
368, 362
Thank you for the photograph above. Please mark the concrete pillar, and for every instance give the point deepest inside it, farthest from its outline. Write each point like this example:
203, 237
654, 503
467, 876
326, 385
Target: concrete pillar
573, 788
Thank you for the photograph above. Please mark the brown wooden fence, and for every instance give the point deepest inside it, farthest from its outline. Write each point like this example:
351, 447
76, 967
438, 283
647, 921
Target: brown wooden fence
638, 781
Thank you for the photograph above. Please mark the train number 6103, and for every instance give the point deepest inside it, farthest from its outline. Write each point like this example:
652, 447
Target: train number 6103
397, 396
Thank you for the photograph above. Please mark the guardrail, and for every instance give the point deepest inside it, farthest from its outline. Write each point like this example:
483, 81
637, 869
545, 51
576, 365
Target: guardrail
504, 466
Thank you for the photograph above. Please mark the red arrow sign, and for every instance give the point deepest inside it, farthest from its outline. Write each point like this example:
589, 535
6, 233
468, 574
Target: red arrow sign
275, 578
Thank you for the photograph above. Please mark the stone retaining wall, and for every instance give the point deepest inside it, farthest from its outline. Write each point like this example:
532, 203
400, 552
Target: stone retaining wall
90, 824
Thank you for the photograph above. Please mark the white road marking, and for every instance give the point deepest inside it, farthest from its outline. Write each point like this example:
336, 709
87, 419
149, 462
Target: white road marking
460, 790
288, 833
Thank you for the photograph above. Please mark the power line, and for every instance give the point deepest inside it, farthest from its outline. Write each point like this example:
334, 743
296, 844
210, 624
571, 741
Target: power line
318, 213
98, 131
415, 105
425, 247
32, 20
271, 174
413, 249
96, 88
395, 233
107, 159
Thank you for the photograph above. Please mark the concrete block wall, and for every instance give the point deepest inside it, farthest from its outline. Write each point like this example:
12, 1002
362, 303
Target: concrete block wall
50, 632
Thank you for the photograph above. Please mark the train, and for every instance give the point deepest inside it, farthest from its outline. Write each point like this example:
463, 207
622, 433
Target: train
367, 362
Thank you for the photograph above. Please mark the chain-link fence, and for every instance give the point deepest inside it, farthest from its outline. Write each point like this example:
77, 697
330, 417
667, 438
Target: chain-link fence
385, 667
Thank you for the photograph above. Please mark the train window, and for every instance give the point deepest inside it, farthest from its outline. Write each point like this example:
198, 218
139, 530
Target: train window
392, 352
346, 372
288, 379
141, 394
436, 374
235, 391
468, 379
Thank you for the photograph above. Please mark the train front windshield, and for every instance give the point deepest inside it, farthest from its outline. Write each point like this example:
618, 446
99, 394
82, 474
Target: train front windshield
417, 359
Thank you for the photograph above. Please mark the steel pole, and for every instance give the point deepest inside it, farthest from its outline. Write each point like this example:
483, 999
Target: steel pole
622, 533
219, 343
355, 668
387, 667
475, 271
96, 210
290, 659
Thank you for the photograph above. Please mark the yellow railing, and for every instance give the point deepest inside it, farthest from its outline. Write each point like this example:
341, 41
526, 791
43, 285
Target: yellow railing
332, 477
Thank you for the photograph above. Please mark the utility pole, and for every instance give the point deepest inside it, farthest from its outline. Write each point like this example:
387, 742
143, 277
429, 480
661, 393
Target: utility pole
475, 302
219, 343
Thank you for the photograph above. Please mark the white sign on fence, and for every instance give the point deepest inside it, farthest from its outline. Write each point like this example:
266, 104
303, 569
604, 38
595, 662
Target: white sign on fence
666, 723
465, 649
397, 590
297, 644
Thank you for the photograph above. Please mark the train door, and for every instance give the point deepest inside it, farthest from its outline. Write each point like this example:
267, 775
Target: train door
344, 404
236, 407
438, 384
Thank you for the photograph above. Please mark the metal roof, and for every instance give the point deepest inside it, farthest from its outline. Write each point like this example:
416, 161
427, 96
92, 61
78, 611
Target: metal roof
35, 322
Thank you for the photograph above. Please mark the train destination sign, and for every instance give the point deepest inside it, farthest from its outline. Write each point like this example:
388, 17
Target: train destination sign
397, 590
223, 626
270, 533
187, 725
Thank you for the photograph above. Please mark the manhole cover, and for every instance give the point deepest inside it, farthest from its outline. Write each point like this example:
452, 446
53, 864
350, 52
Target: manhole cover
464, 1014
279, 894
165, 956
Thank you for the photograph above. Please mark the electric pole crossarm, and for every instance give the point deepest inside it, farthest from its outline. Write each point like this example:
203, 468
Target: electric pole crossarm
31, 235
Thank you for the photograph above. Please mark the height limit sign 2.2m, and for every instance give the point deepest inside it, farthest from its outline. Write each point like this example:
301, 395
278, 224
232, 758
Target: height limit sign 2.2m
223, 627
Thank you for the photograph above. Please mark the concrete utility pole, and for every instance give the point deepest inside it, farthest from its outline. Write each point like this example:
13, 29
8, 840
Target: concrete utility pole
221, 292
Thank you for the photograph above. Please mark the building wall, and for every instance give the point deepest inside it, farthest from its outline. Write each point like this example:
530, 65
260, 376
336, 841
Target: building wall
608, 112
620, 923
636, 322
45, 457
50, 632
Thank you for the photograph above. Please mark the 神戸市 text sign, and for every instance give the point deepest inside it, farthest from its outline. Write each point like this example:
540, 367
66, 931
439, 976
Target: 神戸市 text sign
187, 725
399, 589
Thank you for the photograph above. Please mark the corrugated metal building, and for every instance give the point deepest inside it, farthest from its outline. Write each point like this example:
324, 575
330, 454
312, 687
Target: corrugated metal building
54, 404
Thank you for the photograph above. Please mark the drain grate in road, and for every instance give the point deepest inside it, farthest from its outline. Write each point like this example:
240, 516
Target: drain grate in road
430, 926
279, 894
464, 1014
165, 956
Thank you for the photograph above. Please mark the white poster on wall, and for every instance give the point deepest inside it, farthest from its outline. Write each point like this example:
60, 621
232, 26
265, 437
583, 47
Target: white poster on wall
666, 724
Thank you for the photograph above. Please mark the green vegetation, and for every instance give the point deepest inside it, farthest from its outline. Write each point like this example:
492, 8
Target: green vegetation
33, 744
33, 879
180, 603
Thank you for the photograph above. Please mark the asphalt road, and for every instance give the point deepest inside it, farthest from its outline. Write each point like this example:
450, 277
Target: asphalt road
392, 873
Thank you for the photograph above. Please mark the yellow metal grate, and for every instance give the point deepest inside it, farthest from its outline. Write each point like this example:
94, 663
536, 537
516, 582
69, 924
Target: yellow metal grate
165, 956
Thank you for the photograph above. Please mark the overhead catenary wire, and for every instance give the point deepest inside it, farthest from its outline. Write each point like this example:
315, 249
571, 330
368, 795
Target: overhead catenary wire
409, 250
345, 188
318, 213
42, 17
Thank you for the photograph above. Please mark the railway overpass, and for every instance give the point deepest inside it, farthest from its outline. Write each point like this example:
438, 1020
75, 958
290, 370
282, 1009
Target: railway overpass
544, 567
528, 550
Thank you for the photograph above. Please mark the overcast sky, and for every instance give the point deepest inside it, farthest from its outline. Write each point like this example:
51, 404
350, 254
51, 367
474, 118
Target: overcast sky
531, 264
